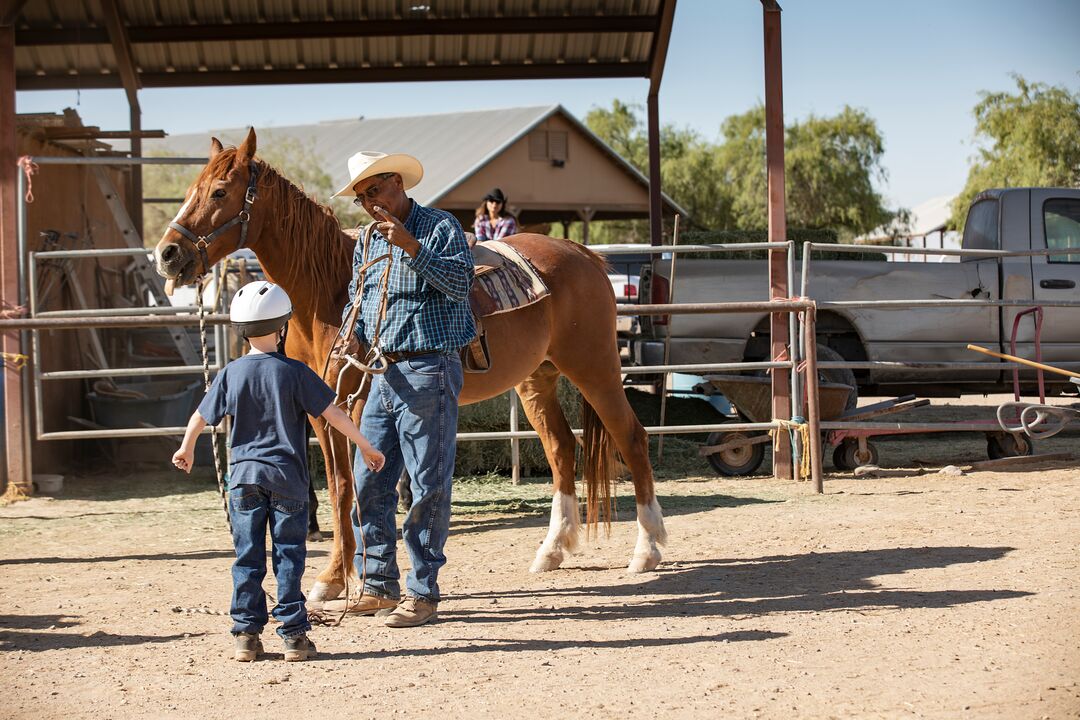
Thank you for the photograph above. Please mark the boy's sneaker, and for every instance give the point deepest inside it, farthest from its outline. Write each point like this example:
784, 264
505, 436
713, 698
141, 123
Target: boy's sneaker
299, 648
247, 647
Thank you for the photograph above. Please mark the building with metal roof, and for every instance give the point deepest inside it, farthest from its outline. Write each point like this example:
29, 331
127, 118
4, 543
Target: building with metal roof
550, 165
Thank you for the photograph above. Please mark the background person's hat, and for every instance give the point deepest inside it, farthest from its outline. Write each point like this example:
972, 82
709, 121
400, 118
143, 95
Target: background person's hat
368, 163
496, 195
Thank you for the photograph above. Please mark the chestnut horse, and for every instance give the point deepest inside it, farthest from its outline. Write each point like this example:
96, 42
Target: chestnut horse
301, 246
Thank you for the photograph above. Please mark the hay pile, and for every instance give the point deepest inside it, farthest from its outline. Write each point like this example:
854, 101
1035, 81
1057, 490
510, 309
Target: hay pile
494, 456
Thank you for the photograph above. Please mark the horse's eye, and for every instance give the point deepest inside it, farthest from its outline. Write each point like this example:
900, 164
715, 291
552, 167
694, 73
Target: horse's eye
218, 194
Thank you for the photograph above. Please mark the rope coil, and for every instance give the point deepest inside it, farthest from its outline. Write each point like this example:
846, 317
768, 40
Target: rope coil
803, 428
29, 167
15, 361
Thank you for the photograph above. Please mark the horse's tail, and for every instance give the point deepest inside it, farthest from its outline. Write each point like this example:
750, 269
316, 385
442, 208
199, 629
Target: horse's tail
599, 470
594, 257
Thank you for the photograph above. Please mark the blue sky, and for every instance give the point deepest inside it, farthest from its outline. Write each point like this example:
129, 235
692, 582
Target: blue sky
916, 66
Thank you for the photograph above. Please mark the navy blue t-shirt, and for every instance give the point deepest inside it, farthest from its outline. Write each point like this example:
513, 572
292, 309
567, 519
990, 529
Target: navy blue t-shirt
267, 395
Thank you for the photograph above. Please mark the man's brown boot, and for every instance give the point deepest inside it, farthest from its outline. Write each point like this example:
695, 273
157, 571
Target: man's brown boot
411, 612
365, 604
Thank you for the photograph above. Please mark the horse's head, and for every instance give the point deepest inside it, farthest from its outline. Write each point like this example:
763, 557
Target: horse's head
219, 215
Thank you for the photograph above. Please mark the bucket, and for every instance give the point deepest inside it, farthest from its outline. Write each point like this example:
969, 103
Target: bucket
162, 403
49, 484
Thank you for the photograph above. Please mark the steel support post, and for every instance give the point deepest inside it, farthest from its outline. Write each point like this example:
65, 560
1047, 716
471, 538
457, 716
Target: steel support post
813, 416
778, 264
656, 207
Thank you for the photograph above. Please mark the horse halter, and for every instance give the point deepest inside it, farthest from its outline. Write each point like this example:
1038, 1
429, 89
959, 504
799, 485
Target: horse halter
243, 217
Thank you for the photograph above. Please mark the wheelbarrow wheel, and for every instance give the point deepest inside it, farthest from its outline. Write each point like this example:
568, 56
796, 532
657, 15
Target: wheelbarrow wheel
1002, 445
737, 461
846, 455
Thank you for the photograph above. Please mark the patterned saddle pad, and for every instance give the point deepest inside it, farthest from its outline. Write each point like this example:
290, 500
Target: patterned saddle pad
504, 280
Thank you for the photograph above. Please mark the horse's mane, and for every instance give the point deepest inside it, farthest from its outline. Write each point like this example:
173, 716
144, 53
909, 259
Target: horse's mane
319, 252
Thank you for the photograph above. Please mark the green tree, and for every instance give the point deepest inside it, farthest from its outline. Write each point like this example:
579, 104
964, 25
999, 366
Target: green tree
1030, 138
687, 169
832, 165
621, 128
294, 159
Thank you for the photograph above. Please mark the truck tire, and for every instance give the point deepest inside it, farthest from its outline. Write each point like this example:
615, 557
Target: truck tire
738, 461
843, 376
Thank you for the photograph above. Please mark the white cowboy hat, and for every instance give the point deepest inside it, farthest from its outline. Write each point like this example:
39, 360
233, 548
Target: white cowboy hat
368, 163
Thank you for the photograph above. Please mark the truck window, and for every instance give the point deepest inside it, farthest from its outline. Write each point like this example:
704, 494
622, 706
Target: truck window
981, 228
1061, 222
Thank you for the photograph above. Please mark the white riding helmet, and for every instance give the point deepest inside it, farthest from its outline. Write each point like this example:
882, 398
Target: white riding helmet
260, 308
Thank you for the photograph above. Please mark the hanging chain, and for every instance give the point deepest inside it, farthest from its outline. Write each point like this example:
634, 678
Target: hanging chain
206, 382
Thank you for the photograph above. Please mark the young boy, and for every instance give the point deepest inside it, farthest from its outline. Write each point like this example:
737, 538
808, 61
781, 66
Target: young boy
267, 395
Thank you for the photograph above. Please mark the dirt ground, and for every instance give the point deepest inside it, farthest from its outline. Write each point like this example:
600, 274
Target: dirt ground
910, 595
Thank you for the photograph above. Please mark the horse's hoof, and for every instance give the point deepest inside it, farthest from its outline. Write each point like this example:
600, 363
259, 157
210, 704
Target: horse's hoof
546, 561
321, 592
643, 563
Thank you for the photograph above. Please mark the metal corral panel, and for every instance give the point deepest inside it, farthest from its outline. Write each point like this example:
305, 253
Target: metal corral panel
61, 44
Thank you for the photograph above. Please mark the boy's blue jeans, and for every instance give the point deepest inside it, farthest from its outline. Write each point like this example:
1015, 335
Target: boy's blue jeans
252, 509
411, 417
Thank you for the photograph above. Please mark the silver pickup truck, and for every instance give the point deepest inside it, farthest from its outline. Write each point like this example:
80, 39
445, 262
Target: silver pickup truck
1012, 219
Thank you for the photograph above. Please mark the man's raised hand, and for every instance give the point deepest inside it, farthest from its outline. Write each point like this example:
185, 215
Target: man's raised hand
394, 231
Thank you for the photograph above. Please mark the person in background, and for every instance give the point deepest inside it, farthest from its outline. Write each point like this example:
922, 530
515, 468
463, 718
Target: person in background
493, 221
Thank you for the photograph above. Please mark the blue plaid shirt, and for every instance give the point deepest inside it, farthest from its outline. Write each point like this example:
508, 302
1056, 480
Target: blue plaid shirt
427, 307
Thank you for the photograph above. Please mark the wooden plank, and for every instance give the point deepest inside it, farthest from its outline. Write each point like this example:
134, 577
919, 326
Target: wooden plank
778, 285
1012, 462
15, 441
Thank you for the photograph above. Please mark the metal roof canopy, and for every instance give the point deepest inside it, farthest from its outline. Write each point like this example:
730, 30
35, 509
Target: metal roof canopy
130, 44
133, 44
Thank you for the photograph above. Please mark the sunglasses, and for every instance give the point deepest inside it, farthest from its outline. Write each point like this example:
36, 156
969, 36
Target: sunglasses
372, 192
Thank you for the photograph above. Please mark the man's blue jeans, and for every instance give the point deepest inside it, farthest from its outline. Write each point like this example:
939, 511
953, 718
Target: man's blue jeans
411, 416
252, 509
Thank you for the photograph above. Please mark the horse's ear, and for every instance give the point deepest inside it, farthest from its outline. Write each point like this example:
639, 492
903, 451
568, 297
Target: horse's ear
246, 151
215, 147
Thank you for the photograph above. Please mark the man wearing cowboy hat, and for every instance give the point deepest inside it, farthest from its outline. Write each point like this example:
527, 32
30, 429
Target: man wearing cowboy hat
411, 412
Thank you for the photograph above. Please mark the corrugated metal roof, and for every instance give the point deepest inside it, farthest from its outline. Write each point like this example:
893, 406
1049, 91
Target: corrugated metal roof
62, 44
451, 146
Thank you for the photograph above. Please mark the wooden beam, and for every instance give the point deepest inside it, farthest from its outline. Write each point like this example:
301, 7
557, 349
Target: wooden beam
661, 37
17, 460
125, 59
9, 10
340, 75
778, 285
92, 133
577, 24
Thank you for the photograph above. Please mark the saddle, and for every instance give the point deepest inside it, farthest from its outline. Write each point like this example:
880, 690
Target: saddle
503, 281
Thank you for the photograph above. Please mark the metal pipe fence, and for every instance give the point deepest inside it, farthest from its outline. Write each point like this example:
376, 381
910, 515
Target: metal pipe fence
95, 318
904, 428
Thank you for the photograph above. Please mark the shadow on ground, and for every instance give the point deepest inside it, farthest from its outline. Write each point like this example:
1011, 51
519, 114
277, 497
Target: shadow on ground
811, 582
40, 642
489, 644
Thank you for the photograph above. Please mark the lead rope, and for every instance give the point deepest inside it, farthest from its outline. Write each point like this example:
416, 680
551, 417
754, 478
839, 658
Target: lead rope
206, 383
